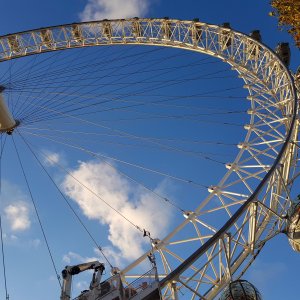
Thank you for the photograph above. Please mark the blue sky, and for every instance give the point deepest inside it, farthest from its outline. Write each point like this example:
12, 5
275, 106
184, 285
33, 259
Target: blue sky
29, 271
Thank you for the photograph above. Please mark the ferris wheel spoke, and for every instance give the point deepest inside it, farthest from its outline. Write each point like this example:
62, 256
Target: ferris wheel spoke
201, 254
157, 143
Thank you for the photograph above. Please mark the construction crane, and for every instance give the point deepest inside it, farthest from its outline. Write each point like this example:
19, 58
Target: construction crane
144, 288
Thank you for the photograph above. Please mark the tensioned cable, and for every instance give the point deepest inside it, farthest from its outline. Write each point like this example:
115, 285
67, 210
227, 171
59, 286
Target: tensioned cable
28, 75
1, 229
65, 104
166, 139
97, 155
165, 199
36, 212
136, 104
54, 82
1, 153
160, 102
122, 136
97, 79
121, 77
9, 95
56, 54
66, 200
83, 65
151, 116
139, 166
168, 148
163, 83
27, 99
170, 97
3, 260
126, 84
139, 92
48, 67
3, 75
118, 131
191, 117
126, 75
122, 144
96, 195
58, 72
41, 79
19, 74
161, 146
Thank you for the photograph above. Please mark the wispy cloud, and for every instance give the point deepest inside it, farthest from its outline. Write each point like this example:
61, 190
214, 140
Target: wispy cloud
114, 257
51, 158
17, 215
114, 9
11, 238
74, 258
35, 243
15, 208
139, 206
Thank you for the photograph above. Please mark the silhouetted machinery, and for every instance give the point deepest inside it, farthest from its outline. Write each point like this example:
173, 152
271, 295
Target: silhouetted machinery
144, 288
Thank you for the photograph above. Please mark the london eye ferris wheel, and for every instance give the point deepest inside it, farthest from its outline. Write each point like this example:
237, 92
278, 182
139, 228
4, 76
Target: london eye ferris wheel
133, 123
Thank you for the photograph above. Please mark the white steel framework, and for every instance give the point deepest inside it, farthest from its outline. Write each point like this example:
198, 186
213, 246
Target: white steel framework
200, 256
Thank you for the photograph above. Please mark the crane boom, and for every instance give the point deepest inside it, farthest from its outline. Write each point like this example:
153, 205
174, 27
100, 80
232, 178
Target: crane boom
69, 271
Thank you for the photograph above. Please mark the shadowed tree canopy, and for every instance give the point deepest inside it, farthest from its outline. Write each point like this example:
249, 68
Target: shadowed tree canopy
288, 13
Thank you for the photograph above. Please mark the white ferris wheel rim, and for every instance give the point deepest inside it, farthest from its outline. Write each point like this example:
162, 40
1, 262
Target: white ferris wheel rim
259, 67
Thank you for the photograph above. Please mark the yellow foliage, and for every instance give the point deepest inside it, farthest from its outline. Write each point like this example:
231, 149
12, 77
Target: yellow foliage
288, 13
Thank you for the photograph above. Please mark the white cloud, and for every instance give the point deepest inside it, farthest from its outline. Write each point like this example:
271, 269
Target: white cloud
15, 208
114, 9
35, 243
74, 258
11, 238
114, 257
140, 207
52, 158
17, 215
81, 285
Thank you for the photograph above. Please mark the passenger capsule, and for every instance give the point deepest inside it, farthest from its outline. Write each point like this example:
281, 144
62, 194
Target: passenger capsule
240, 290
225, 38
293, 226
195, 31
13, 42
46, 37
253, 48
284, 52
166, 29
255, 34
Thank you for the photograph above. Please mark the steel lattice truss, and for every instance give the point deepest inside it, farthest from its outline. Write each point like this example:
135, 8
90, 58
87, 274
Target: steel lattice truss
200, 256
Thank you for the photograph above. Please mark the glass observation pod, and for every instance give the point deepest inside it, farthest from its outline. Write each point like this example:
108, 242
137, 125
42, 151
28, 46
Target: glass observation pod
293, 225
240, 290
